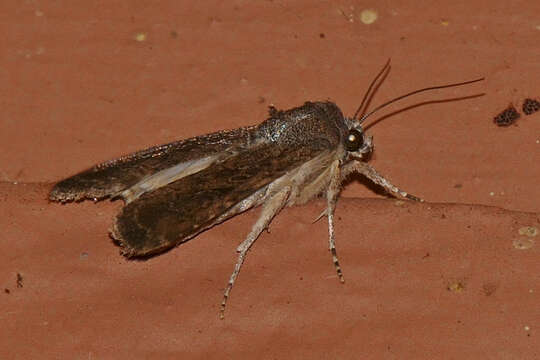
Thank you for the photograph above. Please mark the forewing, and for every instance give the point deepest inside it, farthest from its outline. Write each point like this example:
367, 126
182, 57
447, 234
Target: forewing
167, 216
114, 176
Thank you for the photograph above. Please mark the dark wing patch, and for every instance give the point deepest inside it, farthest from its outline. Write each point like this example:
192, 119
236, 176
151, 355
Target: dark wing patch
114, 176
165, 217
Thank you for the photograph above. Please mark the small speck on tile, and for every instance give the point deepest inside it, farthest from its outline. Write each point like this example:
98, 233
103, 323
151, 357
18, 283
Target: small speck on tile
529, 231
368, 16
523, 243
140, 37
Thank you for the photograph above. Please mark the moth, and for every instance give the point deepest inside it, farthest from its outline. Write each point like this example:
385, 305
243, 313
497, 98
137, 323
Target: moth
175, 191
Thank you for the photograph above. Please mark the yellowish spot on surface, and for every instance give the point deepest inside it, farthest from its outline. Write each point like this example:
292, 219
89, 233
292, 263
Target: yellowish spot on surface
399, 203
523, 243
526, 328
529, 231
456, 287
526, 241
38, 13
368, 16
492, 194
141, 36
445, 22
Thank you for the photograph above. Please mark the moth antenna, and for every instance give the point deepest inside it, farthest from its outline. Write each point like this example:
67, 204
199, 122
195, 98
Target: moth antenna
364, 117
365, 101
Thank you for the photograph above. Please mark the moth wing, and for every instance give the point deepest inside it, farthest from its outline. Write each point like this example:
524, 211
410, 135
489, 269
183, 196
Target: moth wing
112, 177
170, 215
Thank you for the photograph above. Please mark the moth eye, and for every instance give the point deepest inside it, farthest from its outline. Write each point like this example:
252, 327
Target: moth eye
354, 140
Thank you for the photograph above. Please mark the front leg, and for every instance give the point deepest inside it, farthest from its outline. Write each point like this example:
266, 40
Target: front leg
331, 197
372, 174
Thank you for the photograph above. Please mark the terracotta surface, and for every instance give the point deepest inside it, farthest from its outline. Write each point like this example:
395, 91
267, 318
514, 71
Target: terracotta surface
450, 278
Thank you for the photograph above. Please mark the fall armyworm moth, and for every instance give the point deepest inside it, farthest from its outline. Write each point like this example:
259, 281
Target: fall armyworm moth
175, 191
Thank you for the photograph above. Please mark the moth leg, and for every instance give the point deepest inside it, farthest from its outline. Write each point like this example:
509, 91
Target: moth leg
332, 196
269, 210
373, 175
321, 215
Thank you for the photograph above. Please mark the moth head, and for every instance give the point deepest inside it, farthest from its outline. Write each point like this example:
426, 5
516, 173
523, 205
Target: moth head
357, 143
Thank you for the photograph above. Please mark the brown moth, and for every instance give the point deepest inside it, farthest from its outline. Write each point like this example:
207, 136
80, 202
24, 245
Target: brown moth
175, 191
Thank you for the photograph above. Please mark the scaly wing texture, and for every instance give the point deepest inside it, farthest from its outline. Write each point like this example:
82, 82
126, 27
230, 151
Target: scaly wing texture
111, 177
167, 216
